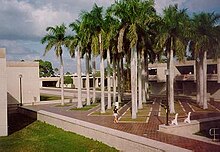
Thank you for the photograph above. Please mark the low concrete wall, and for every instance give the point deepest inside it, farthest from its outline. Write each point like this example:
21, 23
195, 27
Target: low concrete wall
118, 139
193, 127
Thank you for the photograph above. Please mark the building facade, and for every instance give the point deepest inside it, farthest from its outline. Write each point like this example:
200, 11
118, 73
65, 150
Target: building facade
19, 86
185, 78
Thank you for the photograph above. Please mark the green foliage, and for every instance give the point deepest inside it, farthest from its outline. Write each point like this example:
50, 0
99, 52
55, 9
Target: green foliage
205, 34
45, 68
55, 38
68, 80
39, 137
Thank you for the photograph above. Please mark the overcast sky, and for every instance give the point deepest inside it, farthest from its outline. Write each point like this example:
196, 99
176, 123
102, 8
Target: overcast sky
23, 23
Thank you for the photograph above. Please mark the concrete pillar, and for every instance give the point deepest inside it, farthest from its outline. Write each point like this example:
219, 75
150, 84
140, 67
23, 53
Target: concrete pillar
3, 94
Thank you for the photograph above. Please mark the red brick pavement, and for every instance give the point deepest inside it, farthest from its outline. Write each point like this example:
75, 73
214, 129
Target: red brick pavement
148, 130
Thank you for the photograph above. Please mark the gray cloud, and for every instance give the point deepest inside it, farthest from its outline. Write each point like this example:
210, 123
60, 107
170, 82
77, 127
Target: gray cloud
16, 50
23, 23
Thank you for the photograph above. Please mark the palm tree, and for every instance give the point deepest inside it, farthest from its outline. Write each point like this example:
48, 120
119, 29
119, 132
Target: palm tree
76, 43
56, 38
134, 16
96, 16
171, 39
93, 23
205, 39
110, 27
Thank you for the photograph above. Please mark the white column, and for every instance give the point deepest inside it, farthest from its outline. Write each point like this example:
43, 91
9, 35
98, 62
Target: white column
3, 95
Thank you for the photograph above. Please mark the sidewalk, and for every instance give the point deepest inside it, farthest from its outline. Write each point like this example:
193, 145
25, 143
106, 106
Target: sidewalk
146, 130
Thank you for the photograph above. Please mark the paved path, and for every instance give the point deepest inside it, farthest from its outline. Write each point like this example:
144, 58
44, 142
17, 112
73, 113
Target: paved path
147, 130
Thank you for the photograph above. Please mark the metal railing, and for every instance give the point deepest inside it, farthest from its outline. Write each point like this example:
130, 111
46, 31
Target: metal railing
214, 132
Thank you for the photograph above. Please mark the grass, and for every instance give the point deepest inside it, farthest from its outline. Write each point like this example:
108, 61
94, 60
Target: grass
142, 115
85, 108
41, 137
178, 109
108, 112
44, 97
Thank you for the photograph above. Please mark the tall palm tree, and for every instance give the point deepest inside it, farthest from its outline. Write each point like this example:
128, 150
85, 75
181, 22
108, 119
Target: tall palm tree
94, 22
76, 43
205, 39
97, 26
135, 15
56, 38
171, 39
110, 27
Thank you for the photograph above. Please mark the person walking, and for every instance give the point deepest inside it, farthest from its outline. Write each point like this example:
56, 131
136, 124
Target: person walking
115, 111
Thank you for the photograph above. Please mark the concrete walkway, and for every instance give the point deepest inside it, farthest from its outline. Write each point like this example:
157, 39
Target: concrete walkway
145, 130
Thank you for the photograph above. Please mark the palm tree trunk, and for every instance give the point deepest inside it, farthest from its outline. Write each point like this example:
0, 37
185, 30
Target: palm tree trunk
197, 80
201, 75
147, 91
140, 91
171, 83
135, 79
119, 81
133, 84
93, 74
109, 80
102, 76
205, 105
143, 77
87, 80
79, 78
122, 78
114, 80
62, 80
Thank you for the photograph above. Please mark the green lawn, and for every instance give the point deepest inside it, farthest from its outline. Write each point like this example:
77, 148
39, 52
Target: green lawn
44, 97
142, 115
178, 109
85, 108
40, 137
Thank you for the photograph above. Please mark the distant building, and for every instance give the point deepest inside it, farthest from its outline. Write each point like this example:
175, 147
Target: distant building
185, 78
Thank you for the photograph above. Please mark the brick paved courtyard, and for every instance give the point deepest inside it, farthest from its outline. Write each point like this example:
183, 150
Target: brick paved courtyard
149, 127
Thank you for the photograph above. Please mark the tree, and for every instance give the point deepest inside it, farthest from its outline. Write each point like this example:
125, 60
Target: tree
56, 39
68, 80
171, 38
135, 16
204, 42
110, 27
75, 43
45, 68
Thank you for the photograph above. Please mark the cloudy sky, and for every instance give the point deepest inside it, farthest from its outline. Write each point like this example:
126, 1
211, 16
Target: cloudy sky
23, 23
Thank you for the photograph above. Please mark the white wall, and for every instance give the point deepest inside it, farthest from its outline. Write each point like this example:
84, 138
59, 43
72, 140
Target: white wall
29, 81
3, 95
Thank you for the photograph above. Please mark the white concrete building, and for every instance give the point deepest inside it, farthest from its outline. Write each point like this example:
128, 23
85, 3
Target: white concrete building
3, 95
19, 85
23, 82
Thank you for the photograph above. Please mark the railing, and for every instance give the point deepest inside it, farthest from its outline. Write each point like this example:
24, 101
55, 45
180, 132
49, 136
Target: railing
214, 132
190, 77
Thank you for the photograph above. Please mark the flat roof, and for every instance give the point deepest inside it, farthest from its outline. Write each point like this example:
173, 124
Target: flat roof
22, 64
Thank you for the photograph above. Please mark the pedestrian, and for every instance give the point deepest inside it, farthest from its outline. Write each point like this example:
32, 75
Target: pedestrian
115, 111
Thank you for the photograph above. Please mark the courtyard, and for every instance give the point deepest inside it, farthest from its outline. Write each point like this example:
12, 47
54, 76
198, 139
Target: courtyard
147, 123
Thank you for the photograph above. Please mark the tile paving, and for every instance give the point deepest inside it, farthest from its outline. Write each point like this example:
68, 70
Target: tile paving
147, 130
